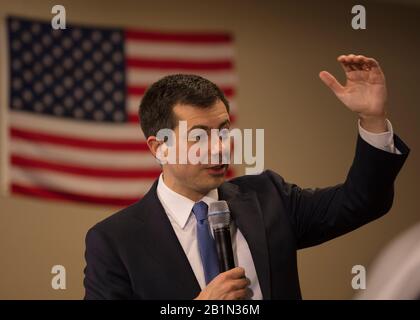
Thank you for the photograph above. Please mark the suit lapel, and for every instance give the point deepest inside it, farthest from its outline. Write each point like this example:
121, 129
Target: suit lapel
164, 246
247, 215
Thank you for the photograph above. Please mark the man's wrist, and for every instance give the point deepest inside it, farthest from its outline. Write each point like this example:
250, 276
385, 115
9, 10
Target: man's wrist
374, 124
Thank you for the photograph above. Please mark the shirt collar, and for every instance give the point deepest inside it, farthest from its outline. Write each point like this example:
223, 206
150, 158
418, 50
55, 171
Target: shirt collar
176, 205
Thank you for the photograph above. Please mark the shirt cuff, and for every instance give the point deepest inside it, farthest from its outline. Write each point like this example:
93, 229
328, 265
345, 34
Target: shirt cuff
383, 140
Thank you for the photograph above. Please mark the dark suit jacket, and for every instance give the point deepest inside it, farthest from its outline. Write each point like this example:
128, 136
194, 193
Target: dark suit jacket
135, 253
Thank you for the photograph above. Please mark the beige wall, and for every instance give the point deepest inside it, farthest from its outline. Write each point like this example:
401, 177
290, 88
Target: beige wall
310, 137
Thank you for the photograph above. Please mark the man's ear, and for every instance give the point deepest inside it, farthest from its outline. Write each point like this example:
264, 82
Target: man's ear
153, 144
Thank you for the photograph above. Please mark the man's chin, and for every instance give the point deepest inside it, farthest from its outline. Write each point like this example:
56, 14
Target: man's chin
214, 181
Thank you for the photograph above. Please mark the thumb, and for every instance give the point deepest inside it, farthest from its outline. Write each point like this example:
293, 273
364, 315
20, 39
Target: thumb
331, 82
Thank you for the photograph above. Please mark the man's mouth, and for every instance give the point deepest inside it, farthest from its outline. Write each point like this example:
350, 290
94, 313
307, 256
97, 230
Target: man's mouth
218, 170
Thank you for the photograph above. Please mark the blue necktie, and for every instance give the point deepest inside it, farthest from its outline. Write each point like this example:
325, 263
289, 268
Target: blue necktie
206, 243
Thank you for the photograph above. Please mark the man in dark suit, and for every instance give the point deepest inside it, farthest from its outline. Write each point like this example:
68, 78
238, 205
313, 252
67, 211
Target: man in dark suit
161, 246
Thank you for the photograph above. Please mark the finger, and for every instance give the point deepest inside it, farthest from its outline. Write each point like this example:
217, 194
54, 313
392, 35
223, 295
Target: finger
348, 66
344, 62
374, 65
237, 295
366, 67
360, 59
372, 61
351, 59
341, 57
235, 273
353, 62
368, 63
237, 284
359, 62
247, 295
350, 62
331, 82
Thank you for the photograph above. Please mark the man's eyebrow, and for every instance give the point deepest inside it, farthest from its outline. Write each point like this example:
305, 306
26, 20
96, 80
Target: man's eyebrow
200, 126
226, 122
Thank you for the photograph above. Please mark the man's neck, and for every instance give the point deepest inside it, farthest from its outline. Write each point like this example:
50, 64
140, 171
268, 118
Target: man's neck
188, 193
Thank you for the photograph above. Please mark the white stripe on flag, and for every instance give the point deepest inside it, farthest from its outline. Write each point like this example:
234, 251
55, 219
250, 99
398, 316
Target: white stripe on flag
75, 129
178, 51
90, 186
145, 77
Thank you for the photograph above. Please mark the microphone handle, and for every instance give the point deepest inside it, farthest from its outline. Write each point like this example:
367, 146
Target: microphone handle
224, 249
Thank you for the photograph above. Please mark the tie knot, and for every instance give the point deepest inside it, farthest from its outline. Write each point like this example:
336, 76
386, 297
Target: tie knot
200, 211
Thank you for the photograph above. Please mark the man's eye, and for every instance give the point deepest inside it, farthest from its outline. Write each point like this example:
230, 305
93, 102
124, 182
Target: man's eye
224, 134
197, 138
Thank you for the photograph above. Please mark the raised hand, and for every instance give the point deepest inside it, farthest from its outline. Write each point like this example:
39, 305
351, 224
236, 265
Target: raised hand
364, 92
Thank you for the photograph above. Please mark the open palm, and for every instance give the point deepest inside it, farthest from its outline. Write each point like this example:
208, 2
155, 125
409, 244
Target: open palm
365, 90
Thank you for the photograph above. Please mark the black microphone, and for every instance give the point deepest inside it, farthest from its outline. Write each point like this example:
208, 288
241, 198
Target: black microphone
219, 218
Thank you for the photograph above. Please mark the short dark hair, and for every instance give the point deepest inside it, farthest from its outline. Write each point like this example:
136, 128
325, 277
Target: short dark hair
155, 111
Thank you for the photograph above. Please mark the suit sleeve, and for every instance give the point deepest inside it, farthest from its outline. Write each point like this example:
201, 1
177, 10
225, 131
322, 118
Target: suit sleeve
318, 215
105, 275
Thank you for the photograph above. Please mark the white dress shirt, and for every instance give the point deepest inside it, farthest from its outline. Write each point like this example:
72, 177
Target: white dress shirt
179, 211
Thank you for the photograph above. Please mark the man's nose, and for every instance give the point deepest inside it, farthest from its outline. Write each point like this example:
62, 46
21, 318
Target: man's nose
216, 146
219, 147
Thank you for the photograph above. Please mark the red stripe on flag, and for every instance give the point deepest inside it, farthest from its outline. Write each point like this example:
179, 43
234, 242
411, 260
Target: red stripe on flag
140, 90
133, 118
76, 142
59, 195
131, 34
85, 171
177, 64
136, 90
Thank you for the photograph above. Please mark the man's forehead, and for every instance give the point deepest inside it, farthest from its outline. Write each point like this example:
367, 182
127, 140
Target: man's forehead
210, 116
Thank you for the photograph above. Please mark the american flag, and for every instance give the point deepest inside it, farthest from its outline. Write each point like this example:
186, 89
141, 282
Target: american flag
73, 102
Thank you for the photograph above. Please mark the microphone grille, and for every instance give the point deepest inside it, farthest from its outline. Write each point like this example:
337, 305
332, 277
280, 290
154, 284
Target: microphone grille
219, 214
218, 207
